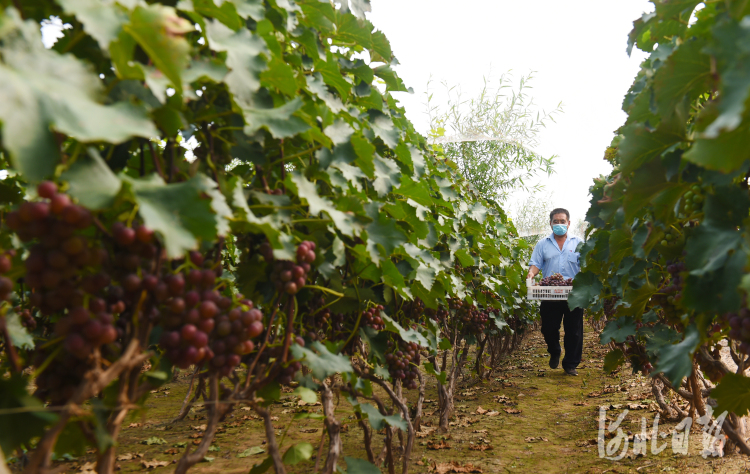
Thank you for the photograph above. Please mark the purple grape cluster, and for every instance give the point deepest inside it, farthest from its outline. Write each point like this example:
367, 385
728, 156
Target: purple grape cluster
556, 280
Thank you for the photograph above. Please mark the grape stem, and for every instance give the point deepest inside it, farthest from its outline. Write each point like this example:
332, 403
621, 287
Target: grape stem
325, 290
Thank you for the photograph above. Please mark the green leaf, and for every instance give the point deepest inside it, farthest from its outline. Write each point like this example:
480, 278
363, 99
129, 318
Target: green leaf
298, 453
262, 467
100, 20
383, 236
305, 394
408, 335
280, 121
617, 330
19, 336
726, 153
360, 466
159, 31
613, 360
280, 76
732, 394
676, 361
92, 182
307, 190
641, 145
44, 90
20, 428
378, 421
441, 377
323, 363
687, 71
183, 212
251, 452
244, 59
586, 287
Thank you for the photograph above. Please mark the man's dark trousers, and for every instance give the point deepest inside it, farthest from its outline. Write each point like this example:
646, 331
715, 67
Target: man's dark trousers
554, 312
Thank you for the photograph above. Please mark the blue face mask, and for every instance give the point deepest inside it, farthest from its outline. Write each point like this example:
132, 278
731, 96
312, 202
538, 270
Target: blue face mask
560, 229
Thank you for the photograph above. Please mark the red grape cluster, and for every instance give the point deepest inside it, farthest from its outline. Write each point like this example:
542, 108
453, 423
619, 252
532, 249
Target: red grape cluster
27, 320
202, 325
674, 289
472, 319
290, 277
6, 284
556, 280
371, 317
58, 258
59, 382
403, 362
739, 324
609, 306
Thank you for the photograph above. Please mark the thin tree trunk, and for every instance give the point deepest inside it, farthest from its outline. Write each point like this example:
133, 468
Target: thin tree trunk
333, 427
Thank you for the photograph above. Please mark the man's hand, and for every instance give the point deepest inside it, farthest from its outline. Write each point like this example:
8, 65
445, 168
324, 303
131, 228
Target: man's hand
533, 271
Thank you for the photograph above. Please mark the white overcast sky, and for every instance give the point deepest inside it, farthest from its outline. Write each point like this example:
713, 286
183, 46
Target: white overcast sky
576, 48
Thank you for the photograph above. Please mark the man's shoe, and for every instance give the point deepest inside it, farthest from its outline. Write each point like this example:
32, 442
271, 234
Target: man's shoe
571, 372
554, 361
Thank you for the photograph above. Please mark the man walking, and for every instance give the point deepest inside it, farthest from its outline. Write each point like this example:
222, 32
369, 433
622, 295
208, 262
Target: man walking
557, 253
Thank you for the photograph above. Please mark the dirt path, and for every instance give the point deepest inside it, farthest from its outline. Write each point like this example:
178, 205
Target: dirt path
552, 433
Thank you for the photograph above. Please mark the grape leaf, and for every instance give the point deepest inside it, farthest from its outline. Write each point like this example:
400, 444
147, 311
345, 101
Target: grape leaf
359, 466
732, 394
159, 31
18, 429
676, 360
617, 330
244, 59
183, 212
18, 334
321, 361
100, 20
379, 421
92, 182
586, 287
43, 89
298, 453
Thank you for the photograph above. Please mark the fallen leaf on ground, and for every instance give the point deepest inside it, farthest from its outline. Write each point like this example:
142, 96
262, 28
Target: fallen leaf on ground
134, 425
88, 468
481, 431
196, 435
454, 467
172, 451
199, 427
153, 440
154, 463
274, 418
531, 439
308, 430
512, 411
425, 432
494, 413
251, 451
438, 445
586, 442
480, 447
595, 394
480, 410
581, 404
128, 456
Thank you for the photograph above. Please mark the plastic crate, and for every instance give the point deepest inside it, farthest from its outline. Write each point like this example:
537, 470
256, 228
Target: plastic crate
547, 292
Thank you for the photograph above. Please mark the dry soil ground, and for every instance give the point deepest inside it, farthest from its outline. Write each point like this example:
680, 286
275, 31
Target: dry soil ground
555, 429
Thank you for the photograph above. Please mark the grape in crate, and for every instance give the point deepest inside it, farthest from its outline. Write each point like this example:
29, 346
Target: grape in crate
557, 257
